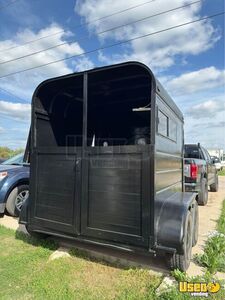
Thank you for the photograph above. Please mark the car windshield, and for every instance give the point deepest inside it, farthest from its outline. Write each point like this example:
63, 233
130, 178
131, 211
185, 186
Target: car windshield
15, 160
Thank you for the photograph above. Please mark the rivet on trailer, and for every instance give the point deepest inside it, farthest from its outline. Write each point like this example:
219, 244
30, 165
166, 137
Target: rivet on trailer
106, 151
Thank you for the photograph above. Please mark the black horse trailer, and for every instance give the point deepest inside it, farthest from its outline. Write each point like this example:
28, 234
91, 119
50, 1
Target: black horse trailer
106, 151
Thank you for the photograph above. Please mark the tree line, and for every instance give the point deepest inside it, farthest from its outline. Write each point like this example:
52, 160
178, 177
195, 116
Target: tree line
6, 152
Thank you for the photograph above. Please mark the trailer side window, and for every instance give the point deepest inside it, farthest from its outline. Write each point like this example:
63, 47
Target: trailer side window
172, 130
166, 126
162, 123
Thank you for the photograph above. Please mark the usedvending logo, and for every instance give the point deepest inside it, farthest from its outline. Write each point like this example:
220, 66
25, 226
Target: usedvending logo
199, 289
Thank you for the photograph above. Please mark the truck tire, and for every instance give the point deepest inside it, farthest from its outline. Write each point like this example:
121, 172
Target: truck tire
203, 193
195, 225
182, 261
215, 186
16, 199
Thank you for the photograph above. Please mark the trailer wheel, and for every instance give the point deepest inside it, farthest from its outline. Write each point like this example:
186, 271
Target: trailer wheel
182, 261
203, 194
195, 226
215, 186
36, 235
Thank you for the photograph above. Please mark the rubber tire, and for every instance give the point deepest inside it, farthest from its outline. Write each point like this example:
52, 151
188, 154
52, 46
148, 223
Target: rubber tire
36, 235
10, 202
215, 186
195, 225
203, 194
182, 261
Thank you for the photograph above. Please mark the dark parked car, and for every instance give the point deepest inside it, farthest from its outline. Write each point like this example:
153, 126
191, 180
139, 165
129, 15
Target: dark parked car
200, 172
14, 184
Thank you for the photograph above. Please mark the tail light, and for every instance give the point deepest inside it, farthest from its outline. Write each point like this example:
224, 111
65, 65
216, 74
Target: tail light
194, 171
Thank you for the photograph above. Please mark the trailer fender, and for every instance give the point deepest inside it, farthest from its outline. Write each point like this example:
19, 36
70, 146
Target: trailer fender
171, 220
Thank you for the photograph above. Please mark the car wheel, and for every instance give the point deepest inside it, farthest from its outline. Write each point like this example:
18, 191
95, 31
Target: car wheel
215, 186
182, 261
195, 225
203, 194
16, 199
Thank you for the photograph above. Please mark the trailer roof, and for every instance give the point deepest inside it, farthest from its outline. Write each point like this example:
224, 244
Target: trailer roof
159, 89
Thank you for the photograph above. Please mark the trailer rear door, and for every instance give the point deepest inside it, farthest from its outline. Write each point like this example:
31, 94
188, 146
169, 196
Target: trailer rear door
115, 194
116, 171
91, 151
57, 137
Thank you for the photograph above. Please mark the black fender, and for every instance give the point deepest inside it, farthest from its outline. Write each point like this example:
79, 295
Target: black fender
171, 219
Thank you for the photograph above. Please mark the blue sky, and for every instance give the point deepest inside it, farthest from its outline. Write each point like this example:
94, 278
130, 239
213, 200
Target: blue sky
189, 61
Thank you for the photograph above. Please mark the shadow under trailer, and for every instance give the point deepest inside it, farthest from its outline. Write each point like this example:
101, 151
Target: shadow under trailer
106, 151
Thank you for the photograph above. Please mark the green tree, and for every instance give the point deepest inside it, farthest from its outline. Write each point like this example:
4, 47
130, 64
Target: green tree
6, 152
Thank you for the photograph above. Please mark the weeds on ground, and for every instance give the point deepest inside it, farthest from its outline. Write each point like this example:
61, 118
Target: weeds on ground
213, 257
174, 293
221, 173
221, 221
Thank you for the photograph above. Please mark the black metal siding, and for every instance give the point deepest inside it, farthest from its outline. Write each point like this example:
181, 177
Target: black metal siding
168, 154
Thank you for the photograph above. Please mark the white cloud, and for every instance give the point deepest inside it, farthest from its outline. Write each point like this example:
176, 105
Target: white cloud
16, 111
2, 130
160, 50
195, 81
220, 124
16, 116
206, 109
82, 64
204, 121
23, 84
13, 142
210, 134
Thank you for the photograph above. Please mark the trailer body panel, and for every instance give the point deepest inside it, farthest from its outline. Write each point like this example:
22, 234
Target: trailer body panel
106, 150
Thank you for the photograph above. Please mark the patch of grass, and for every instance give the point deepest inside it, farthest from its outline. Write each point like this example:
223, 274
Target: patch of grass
221, 173
26, 273
221, 221
173, 292
135, 284
213, 257
19, 260
49, 244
